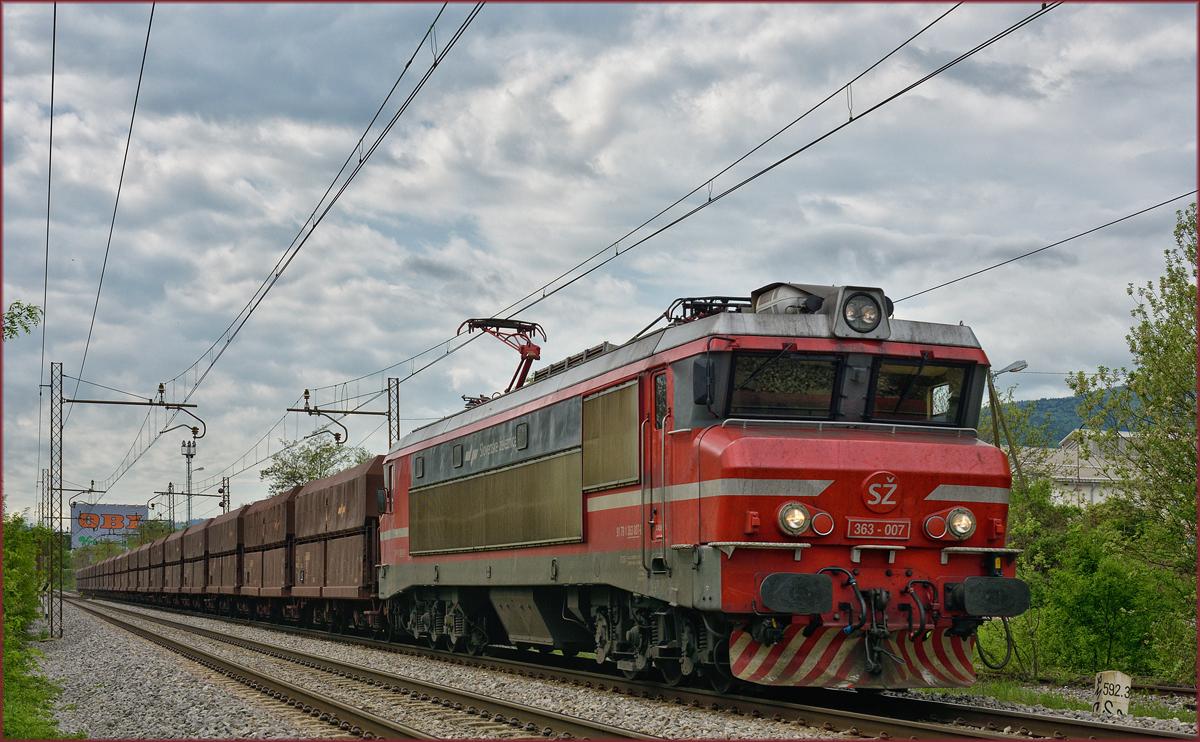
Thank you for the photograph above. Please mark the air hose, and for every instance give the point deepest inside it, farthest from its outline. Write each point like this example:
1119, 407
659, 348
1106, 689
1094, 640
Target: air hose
1008, 640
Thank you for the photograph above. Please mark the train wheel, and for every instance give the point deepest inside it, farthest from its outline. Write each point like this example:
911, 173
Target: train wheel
477, 640
721, 678
672, 672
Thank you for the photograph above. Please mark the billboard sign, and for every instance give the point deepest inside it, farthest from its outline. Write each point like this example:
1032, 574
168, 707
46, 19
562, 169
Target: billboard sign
91, 524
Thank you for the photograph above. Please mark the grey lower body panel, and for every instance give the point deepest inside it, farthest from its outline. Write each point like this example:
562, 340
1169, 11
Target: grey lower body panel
688, 583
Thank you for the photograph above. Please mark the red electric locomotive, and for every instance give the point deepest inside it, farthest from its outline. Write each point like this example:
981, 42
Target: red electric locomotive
786, 490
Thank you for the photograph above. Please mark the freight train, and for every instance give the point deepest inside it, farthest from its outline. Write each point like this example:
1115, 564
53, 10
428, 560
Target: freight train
785, 489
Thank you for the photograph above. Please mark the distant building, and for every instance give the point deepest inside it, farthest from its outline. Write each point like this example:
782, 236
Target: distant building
1081, 474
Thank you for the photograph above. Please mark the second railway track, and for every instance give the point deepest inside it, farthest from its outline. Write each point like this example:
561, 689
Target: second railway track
823, 712
359, 700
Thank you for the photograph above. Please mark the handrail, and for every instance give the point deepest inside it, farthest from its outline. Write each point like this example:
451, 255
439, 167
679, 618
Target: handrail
662, 482
893, 428
643, 468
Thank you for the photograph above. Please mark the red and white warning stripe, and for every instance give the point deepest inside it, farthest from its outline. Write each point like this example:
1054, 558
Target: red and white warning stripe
831, 658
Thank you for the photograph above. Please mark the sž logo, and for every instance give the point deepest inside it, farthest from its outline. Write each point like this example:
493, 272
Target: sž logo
881, 492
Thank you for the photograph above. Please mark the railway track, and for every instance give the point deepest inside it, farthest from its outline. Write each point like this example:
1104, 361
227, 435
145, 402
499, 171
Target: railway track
827, 710
351, 691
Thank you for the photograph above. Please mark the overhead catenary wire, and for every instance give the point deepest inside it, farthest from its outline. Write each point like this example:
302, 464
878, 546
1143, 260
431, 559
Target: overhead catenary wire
707, 183
354, 172
112, 225
549, 289
547, 292
319, 214
1047, 247
301, 236
310, 225
361, 443
730, 166
46, 270
102, 386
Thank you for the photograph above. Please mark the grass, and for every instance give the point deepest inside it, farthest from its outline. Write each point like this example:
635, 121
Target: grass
28, 699
1147, 705
1014, 692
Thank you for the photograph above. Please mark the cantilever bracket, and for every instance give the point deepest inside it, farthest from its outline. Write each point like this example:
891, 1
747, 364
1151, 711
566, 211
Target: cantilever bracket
316, 411
197, 432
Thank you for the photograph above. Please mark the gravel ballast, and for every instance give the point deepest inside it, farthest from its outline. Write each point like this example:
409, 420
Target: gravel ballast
117, 686
1078, 694
145, 693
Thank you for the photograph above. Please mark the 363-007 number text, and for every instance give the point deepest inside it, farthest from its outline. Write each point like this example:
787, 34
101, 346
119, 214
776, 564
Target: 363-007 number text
869, 528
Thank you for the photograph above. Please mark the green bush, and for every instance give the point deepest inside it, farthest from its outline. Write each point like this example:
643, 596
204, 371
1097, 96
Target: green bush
28, 697
1102, 606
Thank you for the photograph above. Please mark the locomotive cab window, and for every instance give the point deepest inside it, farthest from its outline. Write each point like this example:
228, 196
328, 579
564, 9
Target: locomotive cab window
917, 391
783, 385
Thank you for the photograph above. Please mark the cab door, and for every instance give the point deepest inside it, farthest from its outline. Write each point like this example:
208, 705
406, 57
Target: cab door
655, 423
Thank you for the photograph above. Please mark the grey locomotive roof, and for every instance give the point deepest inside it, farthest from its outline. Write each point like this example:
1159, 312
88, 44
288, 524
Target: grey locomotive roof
725, 323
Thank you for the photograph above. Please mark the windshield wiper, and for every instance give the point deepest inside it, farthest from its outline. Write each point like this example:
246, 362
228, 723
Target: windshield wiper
760, 369
925, 356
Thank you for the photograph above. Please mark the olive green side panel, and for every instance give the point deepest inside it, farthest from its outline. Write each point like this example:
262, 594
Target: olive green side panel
539, 502
610, 438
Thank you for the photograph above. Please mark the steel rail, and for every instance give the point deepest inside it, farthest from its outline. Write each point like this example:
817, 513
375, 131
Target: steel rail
356, 721
830, 709
826, 719
532, 719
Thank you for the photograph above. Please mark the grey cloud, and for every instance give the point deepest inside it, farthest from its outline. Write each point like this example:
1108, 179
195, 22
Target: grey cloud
476, 199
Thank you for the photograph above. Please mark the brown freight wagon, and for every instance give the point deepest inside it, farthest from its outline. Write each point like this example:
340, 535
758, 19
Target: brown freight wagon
119, 570
225, 535
143, 568
157, 557
172, 562
269, 529
337, 522
126, 572
195, 554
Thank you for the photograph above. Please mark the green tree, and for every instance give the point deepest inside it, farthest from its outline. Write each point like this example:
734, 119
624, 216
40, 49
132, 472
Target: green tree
1103, 608
301, 462
1143, 422
148, 531
20, 318
1037, 525
94, 553
1030, 431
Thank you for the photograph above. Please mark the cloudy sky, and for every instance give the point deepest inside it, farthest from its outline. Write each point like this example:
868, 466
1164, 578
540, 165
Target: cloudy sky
546, 133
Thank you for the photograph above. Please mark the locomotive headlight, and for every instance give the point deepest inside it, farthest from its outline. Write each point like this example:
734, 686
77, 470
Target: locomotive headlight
861, 312
961, 523
793, 519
